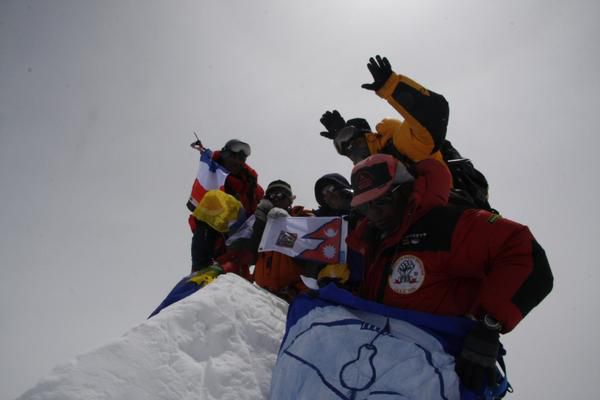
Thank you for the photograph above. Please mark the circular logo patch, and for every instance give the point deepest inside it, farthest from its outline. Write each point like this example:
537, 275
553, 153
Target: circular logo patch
407, 275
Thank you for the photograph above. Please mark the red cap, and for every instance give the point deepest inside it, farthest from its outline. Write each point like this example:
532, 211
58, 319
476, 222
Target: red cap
375, 176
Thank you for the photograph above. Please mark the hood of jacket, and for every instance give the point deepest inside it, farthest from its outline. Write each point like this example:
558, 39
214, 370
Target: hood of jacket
431, 189
325, 180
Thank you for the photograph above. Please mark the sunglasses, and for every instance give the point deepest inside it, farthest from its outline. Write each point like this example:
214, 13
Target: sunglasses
277, 196
239, 147
380, 202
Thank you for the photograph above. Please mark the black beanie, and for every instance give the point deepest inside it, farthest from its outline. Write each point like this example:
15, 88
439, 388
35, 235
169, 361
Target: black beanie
279, 184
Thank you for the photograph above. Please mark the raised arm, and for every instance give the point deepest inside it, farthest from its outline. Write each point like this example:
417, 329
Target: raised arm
426, 111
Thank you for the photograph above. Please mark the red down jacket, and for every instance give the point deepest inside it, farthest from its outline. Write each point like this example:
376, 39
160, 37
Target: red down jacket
448, 260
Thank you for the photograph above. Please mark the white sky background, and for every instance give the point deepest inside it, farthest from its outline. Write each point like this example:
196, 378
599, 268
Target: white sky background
98, 102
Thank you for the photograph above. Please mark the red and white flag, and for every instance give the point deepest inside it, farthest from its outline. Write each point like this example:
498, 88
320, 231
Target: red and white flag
319, 239
211, 176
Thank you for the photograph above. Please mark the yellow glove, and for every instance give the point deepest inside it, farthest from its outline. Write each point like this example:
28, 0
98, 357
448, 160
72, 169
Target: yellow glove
338, 273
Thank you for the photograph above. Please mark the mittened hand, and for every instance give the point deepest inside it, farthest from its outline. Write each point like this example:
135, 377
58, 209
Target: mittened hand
197, 145
381, 70
277, 212
333, 122
262, 209
476, 364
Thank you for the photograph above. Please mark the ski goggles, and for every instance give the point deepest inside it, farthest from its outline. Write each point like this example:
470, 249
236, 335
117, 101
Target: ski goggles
343, 139
239, 148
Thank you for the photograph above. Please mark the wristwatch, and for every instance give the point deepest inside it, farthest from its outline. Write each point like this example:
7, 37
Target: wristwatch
491, 323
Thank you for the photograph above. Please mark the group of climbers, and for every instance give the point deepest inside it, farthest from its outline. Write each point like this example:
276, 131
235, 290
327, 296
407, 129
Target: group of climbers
422, 234
273, 271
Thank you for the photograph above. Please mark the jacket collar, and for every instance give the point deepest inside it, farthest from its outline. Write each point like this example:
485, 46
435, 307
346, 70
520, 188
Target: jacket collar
218, 157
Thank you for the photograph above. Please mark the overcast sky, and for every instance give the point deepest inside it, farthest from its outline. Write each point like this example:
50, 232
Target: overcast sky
99, 101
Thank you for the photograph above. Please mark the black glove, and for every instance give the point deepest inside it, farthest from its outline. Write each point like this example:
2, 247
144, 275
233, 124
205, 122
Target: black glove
476, 364
381, 70
262, 209
333, 122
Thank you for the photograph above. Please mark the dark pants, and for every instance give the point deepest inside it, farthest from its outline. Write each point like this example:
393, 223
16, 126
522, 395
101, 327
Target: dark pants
204, 243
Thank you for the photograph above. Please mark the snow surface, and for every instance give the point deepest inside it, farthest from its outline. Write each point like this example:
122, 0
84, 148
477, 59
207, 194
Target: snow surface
219, 343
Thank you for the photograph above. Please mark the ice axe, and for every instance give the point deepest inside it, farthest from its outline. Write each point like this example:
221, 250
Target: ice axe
197, 144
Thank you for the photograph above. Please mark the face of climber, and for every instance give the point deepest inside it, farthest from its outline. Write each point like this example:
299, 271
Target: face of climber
280, 198
357, 149
233, 162
351, 142
335, 197
387, 212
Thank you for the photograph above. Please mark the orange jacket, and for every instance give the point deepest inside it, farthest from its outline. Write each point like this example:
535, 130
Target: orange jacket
423, 130
278, 273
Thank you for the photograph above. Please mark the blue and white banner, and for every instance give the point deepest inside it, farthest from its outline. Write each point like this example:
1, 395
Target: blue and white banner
338, 346
319, 239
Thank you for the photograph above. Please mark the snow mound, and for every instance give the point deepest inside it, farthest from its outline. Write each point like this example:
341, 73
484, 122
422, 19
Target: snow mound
219, 343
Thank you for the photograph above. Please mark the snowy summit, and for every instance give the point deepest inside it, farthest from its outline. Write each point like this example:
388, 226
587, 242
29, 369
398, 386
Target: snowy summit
219, 343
